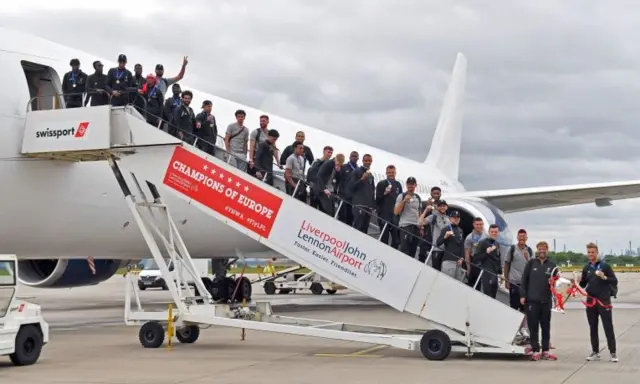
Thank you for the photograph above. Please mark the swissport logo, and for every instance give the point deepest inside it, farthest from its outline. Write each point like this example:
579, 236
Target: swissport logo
76, 133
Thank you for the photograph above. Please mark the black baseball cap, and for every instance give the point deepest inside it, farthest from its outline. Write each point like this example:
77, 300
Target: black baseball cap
411, 180
454, 214
441, 202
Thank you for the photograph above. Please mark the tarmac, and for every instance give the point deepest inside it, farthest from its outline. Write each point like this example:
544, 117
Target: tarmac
90, 345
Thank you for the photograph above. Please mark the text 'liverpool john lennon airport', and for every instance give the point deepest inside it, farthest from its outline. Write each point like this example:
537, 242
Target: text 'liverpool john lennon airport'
220, 187
346, 253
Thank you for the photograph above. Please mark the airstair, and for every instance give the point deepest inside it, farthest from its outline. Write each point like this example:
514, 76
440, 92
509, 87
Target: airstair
457, 317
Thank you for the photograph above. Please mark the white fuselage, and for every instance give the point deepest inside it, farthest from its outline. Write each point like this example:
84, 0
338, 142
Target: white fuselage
53, 209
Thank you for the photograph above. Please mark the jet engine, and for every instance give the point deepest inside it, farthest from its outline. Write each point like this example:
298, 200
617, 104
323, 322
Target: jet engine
59, 273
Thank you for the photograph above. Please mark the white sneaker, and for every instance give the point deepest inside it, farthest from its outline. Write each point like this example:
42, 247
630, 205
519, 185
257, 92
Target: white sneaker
594, 356
614, 358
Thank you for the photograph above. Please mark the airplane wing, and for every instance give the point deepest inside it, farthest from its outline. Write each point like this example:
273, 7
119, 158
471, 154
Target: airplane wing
527, 199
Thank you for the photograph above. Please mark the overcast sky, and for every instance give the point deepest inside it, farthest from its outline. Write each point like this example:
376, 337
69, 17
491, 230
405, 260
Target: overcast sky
552, 91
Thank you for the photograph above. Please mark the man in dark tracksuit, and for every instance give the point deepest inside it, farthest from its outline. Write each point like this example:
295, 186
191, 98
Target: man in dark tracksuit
120, 83
535, 295
346, 213
264, 156
600, 282
487, 257
452, 242
184, 119
95, 87
363, 195
74, 84
170, 105
387, 192
325, 182
206, 128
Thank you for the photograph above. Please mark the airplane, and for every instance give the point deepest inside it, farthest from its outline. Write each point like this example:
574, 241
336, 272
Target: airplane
55, 214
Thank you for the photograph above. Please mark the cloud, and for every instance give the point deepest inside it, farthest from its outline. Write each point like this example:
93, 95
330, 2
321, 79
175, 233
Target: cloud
551, 93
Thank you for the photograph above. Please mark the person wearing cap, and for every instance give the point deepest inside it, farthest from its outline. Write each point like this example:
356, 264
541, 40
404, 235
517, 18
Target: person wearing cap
435, 224
163, 82
96, 93
452, 242
74, 85
516, 259
206, 128
407, 209
170, 105
236, 140
184, 118
120, 83
152, 100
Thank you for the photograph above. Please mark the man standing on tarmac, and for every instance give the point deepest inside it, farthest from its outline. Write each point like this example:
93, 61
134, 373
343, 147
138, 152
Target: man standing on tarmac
470, 245
487, 257
601, 283
535, 296
517, 258
387, 192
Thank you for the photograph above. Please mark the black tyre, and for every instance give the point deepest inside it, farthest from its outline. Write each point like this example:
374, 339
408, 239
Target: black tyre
269, 288
435, 345
28, 346
244, 290
142, 287
331, 291
284, 291
164, 286
188, 334
151, 335
316, 288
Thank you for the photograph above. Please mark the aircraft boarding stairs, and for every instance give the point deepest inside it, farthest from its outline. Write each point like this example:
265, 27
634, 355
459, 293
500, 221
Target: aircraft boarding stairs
458, 317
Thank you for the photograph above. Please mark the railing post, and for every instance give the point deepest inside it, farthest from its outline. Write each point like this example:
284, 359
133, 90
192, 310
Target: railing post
338, 210
479, 277
382, 232
195, 141
295, 189
429, 255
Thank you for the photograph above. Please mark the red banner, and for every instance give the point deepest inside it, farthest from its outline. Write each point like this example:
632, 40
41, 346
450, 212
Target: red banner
228, 194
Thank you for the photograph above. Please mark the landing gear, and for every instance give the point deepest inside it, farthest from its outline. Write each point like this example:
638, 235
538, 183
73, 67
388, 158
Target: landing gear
244, 289
222, 289
435, 345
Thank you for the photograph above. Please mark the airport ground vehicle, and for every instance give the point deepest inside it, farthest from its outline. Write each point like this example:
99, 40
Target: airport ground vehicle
23, 331
151, 277
289, 281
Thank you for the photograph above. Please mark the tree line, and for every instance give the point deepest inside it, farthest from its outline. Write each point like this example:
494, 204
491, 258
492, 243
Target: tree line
580, 258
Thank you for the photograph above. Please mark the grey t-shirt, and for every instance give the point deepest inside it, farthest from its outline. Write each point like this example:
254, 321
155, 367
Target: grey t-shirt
472, 240
518, 261
164, 84
261, 139
438, 223
296, 164
238, 142
410, 213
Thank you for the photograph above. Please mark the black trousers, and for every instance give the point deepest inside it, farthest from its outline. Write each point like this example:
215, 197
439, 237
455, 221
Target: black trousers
300, 192
472, 277
436, 260
514, 298
361, 219
346, 213
593, 313
391, 230
325, 204
409, 240
489, 284
539, 319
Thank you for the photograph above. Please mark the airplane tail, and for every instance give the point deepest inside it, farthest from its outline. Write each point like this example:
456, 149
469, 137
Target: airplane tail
444, 153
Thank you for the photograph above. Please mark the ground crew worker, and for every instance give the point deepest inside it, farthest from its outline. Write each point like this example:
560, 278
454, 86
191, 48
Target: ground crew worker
535, 296
470, 245
345, 191
183, 118
517, 258
326, 182
387, 192
95, 87
363, 195
235, 141
436, 223
74, 84
487, 257
264, 157
600, 282
312, 174
257, 137
120, 83
452, 242
294, 173
407, 209
206, 128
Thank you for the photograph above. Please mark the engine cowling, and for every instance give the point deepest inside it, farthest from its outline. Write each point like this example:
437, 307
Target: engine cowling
59, 273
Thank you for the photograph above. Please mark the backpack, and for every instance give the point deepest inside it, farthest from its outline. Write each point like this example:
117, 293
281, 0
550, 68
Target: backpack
512, 249
312, 173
